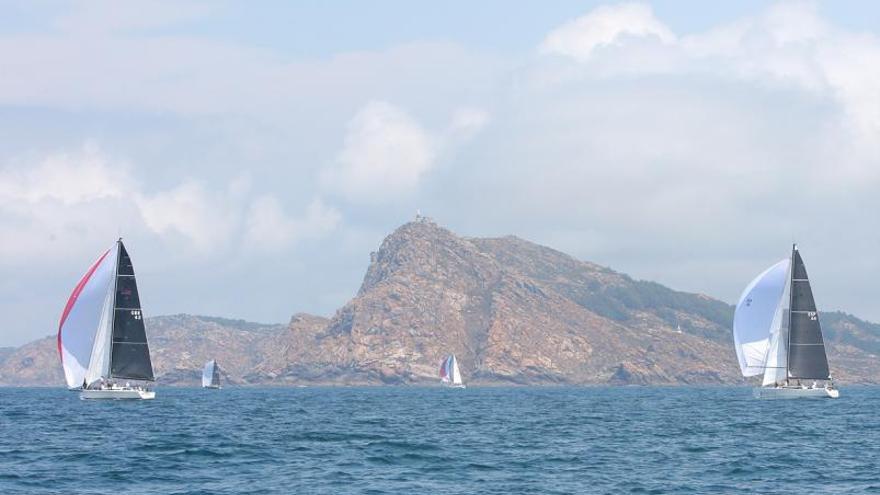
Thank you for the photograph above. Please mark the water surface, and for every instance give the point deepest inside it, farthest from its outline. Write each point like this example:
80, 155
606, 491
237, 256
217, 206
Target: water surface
433, 440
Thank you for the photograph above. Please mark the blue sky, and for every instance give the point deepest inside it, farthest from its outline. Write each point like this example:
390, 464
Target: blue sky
253, 158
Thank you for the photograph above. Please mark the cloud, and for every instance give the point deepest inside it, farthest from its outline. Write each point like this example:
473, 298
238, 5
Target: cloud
686, 154
788, 46
58, 203
385, 155
605, 25
67, 177
468, 121
269, 229
84, 197
189, 211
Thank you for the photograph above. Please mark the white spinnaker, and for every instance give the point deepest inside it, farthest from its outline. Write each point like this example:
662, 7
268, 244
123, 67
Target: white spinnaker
755, 315
81, 317
208, 373
447, 370
456, 374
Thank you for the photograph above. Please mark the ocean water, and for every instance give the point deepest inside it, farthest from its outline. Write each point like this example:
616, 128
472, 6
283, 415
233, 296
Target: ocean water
433, 440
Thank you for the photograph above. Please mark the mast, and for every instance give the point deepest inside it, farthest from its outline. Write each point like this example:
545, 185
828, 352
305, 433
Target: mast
790, 301
113, 308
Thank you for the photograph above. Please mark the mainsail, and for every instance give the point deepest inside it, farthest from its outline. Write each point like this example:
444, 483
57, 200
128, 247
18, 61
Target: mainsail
806, 348
130, 355
211, 374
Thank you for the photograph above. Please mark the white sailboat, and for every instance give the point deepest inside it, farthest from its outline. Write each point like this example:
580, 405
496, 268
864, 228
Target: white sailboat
777, 334
449, 372
211, 375
101, 335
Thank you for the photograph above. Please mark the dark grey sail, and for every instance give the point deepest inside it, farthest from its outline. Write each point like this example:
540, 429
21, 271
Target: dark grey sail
130, 354
215, 376
806, 348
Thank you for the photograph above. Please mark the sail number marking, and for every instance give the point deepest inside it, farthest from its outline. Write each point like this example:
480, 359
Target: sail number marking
136, 314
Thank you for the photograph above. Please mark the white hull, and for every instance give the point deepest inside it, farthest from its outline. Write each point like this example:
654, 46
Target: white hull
457, 385
797, 393
118, 393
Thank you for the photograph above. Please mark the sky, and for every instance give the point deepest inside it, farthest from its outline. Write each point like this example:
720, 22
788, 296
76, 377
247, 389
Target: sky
253, 156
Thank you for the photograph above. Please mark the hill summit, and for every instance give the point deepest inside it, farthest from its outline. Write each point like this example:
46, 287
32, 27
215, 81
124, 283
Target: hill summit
513, 312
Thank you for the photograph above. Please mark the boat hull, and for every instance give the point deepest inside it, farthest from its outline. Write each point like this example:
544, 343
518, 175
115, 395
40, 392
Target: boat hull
128, 393
796, 393
214, 387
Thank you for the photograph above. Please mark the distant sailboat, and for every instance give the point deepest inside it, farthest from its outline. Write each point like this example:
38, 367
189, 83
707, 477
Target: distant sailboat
449, 372
101, 335
777, 333
211, 375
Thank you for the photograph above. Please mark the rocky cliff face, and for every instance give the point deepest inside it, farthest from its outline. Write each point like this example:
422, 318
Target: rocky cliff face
512, 311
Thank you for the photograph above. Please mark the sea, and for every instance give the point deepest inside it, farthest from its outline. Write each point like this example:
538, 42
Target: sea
409, 440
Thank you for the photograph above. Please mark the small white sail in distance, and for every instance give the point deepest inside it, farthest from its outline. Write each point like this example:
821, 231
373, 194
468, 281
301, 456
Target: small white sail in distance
756, 315
449, 372
456, 374
211, 375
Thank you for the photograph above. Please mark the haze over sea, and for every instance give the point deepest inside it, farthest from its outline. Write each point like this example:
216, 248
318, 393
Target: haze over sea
432, 440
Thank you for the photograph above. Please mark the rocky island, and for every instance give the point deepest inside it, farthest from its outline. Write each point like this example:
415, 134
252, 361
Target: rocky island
512, 311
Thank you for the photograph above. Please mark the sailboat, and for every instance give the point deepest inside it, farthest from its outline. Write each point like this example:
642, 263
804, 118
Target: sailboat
211, 375
449, 372
102, 342
776, 332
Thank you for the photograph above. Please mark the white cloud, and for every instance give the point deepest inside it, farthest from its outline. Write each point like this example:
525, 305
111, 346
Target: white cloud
60, 203
384, 156
387, 154
189, 211
605, 25
68, 177
788, 46
269, 229
468, 121
80, 199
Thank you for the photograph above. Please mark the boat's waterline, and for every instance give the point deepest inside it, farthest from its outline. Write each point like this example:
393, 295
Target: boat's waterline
119, 393
796, 393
